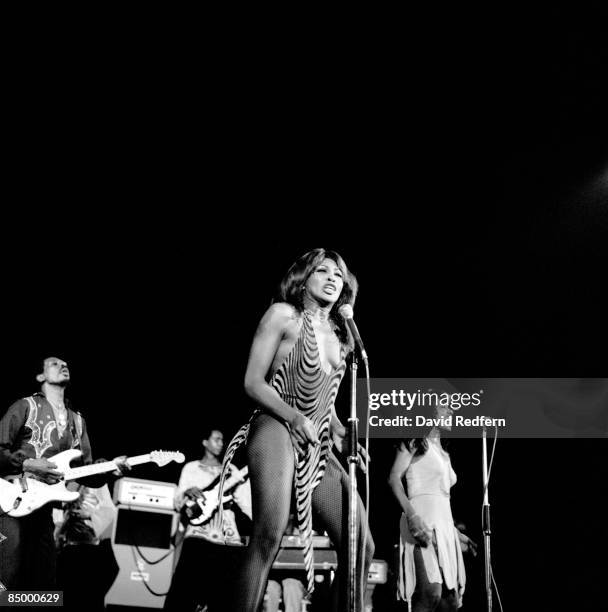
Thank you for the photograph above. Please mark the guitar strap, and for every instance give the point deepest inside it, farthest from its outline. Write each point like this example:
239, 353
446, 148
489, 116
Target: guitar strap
212, 484
215, 481
76, 428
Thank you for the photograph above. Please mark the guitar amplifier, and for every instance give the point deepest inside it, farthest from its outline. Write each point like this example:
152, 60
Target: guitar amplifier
378, 572
295, 541
144, 551
144, 493
291, 557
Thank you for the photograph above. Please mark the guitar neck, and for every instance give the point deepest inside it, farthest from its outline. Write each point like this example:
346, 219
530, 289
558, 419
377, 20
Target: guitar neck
101, 468
234, 480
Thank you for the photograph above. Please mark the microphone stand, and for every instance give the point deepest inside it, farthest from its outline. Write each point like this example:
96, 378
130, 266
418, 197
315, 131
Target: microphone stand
353, 455
486, 520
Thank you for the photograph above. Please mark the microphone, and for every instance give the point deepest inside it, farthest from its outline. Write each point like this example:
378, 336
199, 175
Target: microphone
346, 311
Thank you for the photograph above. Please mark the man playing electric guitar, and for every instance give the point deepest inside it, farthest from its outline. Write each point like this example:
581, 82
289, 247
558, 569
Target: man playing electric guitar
32, 431
207, 553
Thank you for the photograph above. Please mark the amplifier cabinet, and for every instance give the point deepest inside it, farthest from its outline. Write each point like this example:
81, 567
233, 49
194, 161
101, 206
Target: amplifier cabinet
293, 559
143, 548
147, 493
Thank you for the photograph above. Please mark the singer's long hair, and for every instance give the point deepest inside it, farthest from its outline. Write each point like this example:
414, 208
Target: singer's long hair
291, 289
419, 446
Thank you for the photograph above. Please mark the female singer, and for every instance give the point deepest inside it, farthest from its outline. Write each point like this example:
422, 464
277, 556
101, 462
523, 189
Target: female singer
432, 575
296, 364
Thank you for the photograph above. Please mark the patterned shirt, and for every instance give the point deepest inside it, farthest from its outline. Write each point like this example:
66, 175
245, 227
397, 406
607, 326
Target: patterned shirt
29, 426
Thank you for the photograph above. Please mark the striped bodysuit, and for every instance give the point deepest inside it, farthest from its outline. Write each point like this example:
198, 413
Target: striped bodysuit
303, 384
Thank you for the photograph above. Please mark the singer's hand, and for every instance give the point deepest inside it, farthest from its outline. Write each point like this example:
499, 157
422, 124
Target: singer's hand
302, 432
339, 441
420, 531
466, 544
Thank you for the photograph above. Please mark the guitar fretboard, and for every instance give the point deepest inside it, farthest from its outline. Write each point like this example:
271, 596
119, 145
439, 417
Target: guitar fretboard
236, 479
100, 468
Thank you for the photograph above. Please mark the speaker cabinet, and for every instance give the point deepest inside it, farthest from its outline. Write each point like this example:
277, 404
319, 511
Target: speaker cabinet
141, 541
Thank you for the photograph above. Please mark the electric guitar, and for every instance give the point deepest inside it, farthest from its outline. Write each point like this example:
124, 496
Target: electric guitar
200, 509
19, 496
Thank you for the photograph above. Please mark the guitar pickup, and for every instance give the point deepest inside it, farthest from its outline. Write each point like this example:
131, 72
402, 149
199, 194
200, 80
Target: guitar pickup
23, 481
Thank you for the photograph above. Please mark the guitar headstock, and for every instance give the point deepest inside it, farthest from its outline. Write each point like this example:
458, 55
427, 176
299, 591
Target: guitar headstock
161, 457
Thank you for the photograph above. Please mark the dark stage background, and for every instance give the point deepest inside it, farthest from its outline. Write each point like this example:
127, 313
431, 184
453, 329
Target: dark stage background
476, 174
158, 344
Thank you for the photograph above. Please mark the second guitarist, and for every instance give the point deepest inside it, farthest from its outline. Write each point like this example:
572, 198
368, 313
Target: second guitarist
207, 553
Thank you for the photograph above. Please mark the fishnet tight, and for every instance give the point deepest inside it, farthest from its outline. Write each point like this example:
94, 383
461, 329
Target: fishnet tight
271, 470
